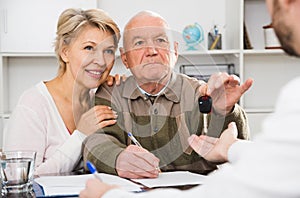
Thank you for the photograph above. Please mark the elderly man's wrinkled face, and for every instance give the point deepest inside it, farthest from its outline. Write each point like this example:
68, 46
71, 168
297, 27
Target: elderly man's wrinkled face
148, 50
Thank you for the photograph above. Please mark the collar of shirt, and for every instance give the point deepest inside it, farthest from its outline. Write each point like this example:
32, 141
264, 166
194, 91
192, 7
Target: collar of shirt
147, 94
172, 91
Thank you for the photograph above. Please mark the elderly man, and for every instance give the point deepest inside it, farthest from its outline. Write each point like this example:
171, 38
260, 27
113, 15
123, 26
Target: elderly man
160, 108
277, 150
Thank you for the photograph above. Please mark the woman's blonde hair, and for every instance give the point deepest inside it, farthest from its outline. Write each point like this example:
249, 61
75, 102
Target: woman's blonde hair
72, 21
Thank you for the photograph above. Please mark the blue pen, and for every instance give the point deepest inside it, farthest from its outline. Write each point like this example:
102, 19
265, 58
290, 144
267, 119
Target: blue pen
93, 170
134, 140
216, 31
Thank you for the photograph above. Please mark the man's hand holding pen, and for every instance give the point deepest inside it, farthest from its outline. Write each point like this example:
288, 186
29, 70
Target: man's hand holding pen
136, 162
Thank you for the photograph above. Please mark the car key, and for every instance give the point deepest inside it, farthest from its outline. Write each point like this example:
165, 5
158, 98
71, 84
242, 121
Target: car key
205, 104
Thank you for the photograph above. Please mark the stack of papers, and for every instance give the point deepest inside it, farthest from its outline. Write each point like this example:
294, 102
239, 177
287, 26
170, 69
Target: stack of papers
73, 184
176, 178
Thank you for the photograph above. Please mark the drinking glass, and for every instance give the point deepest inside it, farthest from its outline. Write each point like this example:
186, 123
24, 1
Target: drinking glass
16, 171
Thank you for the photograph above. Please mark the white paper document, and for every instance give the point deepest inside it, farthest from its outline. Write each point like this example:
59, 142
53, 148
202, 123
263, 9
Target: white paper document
73, 184
176, 178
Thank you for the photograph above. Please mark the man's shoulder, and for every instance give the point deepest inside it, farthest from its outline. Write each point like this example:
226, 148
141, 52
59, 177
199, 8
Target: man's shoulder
189, 79
188, 83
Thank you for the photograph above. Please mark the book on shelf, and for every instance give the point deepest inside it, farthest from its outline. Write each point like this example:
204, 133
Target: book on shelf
247, 43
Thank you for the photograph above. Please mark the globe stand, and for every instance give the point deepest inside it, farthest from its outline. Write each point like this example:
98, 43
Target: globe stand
191, 47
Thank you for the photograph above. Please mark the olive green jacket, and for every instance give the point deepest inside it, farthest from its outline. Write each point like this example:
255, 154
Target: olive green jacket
162, 127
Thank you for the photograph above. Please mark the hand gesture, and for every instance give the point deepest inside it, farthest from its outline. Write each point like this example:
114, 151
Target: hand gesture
96, 118
225, 91
135, 162
214, 149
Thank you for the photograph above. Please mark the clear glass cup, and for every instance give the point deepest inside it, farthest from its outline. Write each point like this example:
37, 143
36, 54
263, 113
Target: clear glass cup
16, 171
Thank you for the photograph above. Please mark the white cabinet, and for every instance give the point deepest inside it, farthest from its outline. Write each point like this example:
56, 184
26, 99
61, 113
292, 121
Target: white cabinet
28, 29
22, 72
29, 26
270, 72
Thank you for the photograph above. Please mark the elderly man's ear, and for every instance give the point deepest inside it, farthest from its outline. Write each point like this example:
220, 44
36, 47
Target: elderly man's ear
176, 49
123, 57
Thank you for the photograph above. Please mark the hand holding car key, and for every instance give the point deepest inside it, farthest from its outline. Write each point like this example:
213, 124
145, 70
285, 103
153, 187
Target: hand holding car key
205, 104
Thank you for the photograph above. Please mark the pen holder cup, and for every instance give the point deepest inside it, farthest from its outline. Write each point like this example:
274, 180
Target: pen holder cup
214, 41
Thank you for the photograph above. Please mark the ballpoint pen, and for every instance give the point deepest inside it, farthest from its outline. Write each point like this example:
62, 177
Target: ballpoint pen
134, 140
93, 170
138, 144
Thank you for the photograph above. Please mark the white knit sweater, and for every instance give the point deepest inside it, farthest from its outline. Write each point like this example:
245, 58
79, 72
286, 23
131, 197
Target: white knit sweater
36, 125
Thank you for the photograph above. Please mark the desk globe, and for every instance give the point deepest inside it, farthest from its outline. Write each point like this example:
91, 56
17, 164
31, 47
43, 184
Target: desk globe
193, 35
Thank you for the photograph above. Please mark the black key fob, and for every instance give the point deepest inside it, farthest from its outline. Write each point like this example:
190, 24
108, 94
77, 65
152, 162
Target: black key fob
205, 104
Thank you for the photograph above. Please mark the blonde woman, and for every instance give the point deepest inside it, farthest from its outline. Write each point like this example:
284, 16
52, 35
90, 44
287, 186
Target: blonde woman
55, 116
